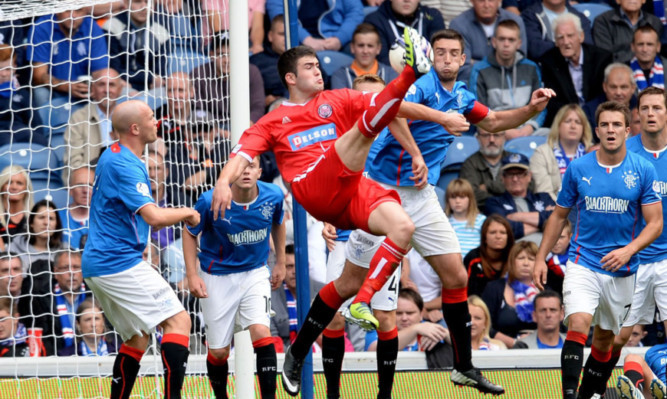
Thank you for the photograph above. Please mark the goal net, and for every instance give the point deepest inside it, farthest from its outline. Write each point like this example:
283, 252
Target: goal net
64, 66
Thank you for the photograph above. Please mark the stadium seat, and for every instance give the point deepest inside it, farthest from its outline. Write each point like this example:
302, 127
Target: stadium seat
591, 10
57, 115
184, 61
525, 145
461, 148
51, 191
331, 61
40, 161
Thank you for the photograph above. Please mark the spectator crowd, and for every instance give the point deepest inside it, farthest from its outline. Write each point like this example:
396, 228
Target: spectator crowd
96, 57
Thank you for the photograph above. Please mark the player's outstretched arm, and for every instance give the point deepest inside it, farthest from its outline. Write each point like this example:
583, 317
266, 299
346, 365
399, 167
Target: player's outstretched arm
615, 259
278, 233
195, 283
401, 132
163, 217
222, 193
552, 230
453, 122
511, 118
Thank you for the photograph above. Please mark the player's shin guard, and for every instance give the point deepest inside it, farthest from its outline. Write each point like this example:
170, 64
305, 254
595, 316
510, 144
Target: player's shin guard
386, 352
385, 105
383, 264
218, 370
125, 369
322, 311
175, 351
267, 366
571, 360
457, 317
333, 351
609, 366
635, 373
594, 380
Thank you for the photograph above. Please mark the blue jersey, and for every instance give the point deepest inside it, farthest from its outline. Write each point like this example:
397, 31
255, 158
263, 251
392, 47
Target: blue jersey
73, 230
240, 241
392, 164
117, 235
608, 201
657, 251
656, 358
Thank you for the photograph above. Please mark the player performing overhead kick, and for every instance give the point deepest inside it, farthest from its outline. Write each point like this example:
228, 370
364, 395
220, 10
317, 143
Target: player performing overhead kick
321, 141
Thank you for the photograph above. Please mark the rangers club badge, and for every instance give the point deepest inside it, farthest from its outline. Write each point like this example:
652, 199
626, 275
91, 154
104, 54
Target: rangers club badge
324, 111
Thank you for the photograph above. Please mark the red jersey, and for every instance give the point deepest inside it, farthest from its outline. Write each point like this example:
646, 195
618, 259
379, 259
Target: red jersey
299, 134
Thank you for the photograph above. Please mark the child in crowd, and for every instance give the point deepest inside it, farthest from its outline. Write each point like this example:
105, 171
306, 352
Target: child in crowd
461, 207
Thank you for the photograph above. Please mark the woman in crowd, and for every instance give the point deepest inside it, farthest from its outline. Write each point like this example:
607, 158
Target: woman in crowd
480, 326
44, 238
461, 207
15, 202
488, 262
570, 138
510, 299
91, 335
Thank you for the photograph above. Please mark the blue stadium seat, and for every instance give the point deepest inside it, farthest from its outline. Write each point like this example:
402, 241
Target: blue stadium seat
51, 191
331, 61
57, 115
461, 148
591, 10
184, 61
40, 161
525, 145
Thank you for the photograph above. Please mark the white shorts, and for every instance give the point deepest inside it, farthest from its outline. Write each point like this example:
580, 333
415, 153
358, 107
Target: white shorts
433, 233
650, 289
385, 299
605, 297
242, 298
135, 300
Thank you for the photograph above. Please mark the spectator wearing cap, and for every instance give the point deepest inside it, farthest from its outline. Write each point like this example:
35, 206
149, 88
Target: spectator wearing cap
526, 211
211, 88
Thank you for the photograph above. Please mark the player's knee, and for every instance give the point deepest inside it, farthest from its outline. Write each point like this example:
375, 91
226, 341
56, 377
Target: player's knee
631, 357
220, 353
338, 322
177, 324
259, 331
387, 319
139, 341
402, 230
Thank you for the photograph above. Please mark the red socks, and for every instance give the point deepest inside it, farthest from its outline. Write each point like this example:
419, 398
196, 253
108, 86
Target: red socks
383, 264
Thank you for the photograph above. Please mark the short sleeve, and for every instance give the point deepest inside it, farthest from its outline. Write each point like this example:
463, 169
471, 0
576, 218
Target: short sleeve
99, 52
133, 187
568, 194
650, 186
202, 206
40, 51
254, 141
415, 94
